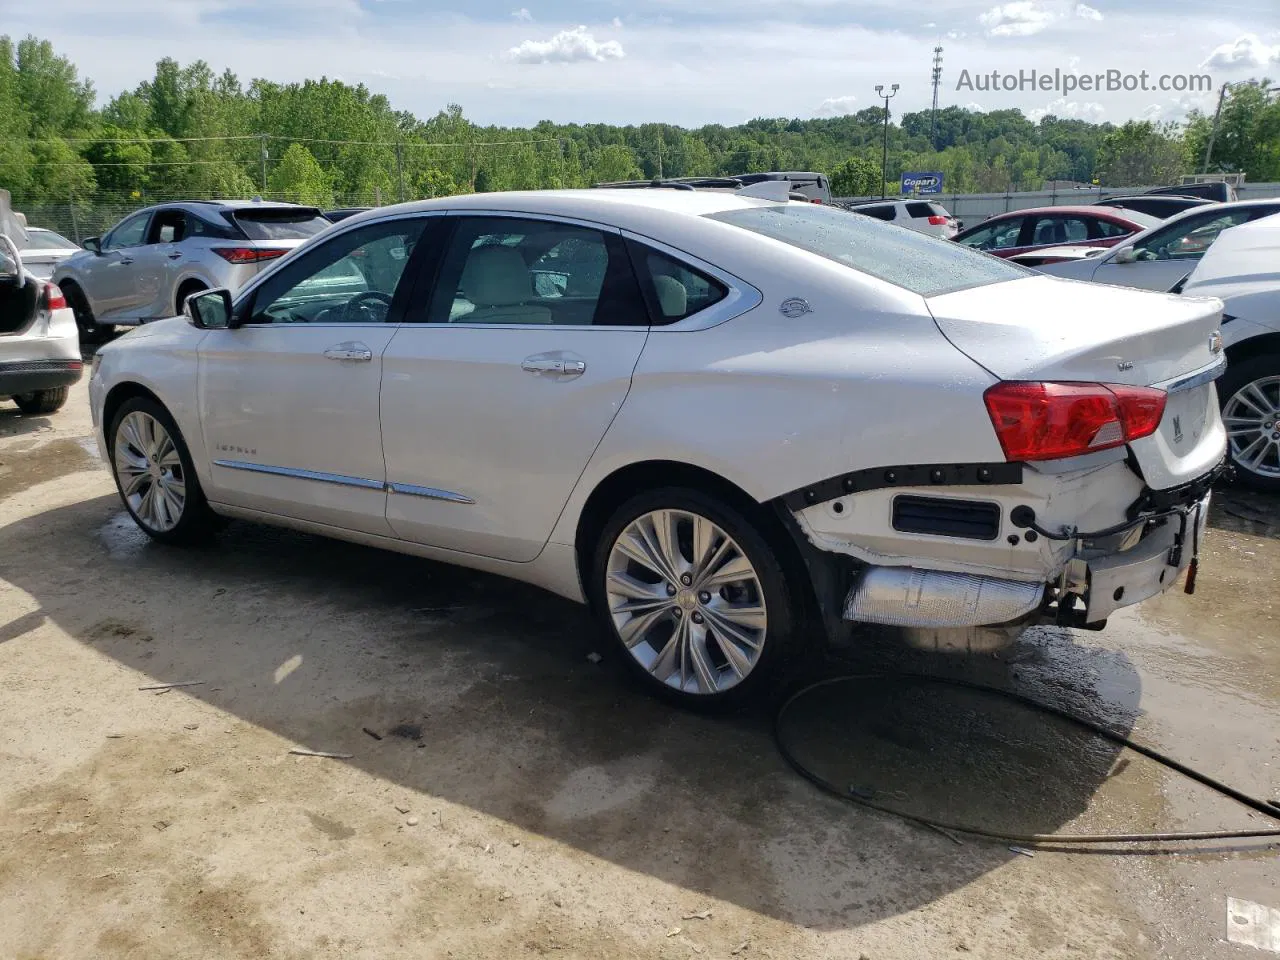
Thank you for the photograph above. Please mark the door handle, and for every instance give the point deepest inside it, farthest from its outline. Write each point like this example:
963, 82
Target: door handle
555, 366
125, 261
176, 255
349, 351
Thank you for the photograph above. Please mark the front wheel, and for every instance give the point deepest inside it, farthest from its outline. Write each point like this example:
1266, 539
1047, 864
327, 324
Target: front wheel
42, 401
1251, 414
155, 476
694, 596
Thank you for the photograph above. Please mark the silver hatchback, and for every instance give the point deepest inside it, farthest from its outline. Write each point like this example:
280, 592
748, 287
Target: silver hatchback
147, 265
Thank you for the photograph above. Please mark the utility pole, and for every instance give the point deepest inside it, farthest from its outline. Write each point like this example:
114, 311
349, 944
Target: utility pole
262, 153
659, 153
1213, 131
884, 156
400, 168
937, 79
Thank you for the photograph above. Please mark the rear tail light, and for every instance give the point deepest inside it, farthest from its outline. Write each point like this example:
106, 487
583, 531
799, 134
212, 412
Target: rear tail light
247, 254
1050, 421
54, 298
936, 221
815, 200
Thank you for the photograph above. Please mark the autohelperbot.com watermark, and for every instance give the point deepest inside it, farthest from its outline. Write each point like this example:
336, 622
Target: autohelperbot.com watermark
1068, 82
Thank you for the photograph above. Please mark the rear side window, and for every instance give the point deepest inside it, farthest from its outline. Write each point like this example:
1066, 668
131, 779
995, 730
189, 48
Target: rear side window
197, 227
676, 290
281, 223
881, 211
907, 259
922, 211
527, 272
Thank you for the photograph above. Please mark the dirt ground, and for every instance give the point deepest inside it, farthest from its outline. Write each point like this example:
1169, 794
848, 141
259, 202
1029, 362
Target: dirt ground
507, 797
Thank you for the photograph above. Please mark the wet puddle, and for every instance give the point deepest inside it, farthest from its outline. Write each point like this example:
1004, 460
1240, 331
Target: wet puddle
23, 465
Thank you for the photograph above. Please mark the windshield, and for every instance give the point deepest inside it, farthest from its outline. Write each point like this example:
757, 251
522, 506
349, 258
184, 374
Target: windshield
47, 240
285, 223
902, 257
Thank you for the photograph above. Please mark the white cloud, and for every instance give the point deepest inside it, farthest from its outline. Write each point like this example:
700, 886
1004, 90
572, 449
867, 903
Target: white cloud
1023, 18
1247, 51
1068, 109
836, 106
617, 23
568, 46
523, 15
976, 107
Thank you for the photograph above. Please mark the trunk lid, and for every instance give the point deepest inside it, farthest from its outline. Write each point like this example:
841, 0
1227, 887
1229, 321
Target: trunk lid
1044, 328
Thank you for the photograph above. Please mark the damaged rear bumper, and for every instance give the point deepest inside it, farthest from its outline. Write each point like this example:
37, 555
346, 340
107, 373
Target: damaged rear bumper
1132, 563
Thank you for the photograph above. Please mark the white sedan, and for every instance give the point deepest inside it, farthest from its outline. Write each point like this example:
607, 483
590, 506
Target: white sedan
720, 419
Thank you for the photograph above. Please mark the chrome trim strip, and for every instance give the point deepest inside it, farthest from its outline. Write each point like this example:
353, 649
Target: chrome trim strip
301, 474
431, 493
1197, 379
742, 298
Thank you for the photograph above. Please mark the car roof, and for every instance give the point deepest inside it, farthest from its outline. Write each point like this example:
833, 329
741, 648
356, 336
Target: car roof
1065, 208
616, 207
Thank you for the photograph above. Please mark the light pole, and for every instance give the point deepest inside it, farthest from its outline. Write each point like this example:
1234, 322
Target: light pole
1213, 131
884, 155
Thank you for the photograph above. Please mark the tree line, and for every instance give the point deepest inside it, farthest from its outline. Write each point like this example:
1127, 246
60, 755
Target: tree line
191, 132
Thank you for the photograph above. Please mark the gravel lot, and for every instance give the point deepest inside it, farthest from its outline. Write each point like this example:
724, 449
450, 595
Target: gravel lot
519, 800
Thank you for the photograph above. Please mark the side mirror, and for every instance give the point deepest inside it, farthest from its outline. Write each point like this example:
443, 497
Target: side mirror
210, 309
1125, 255
93, 245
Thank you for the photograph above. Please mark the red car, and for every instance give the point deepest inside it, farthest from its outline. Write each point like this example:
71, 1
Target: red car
1022, 231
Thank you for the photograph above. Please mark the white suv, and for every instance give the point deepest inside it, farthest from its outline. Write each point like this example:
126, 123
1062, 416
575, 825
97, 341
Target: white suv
922, 216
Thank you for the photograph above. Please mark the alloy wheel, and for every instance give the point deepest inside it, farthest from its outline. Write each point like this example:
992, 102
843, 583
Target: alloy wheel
1252, 419
686, 601
150, 471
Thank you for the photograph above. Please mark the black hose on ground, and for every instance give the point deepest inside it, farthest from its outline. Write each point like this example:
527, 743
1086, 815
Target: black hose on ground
1265, 807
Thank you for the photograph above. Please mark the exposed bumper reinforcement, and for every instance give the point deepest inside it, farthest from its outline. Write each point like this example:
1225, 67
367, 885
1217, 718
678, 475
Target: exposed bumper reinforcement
907, 597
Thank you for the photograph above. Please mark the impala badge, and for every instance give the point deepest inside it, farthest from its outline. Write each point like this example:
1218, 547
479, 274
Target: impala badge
1123, 365
1177, 429
794, 307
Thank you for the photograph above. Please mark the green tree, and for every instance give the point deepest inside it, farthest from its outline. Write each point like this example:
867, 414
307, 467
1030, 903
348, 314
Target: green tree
856, 177
613, 163
1141, 153
299, 178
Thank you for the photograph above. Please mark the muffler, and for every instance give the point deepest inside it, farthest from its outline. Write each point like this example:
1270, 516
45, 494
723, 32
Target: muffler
907, 597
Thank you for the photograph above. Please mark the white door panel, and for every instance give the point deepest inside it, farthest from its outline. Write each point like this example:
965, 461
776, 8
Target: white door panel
290, 414
487, 429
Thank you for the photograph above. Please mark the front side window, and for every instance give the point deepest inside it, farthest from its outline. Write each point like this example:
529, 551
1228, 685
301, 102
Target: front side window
910, 260
510, 270
1001, 235
352, 278
1189, 239
128, 234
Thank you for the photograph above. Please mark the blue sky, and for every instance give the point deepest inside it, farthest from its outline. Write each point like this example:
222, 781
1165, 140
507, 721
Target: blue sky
682, 61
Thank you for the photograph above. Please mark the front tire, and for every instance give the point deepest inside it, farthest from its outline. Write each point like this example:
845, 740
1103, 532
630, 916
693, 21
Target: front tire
42, 401
1250, 392
155, 475
694, 597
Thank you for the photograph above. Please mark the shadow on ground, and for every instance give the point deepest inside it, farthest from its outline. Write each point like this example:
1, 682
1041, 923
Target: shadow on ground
484, 695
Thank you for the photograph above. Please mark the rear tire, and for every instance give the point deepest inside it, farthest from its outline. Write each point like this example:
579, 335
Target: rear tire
1250, 396
696, 600
90, 330
186, 290
155, 475
42, 401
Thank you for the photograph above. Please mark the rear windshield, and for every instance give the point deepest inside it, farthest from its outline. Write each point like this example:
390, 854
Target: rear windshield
47, 240
907, 259
279, 224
